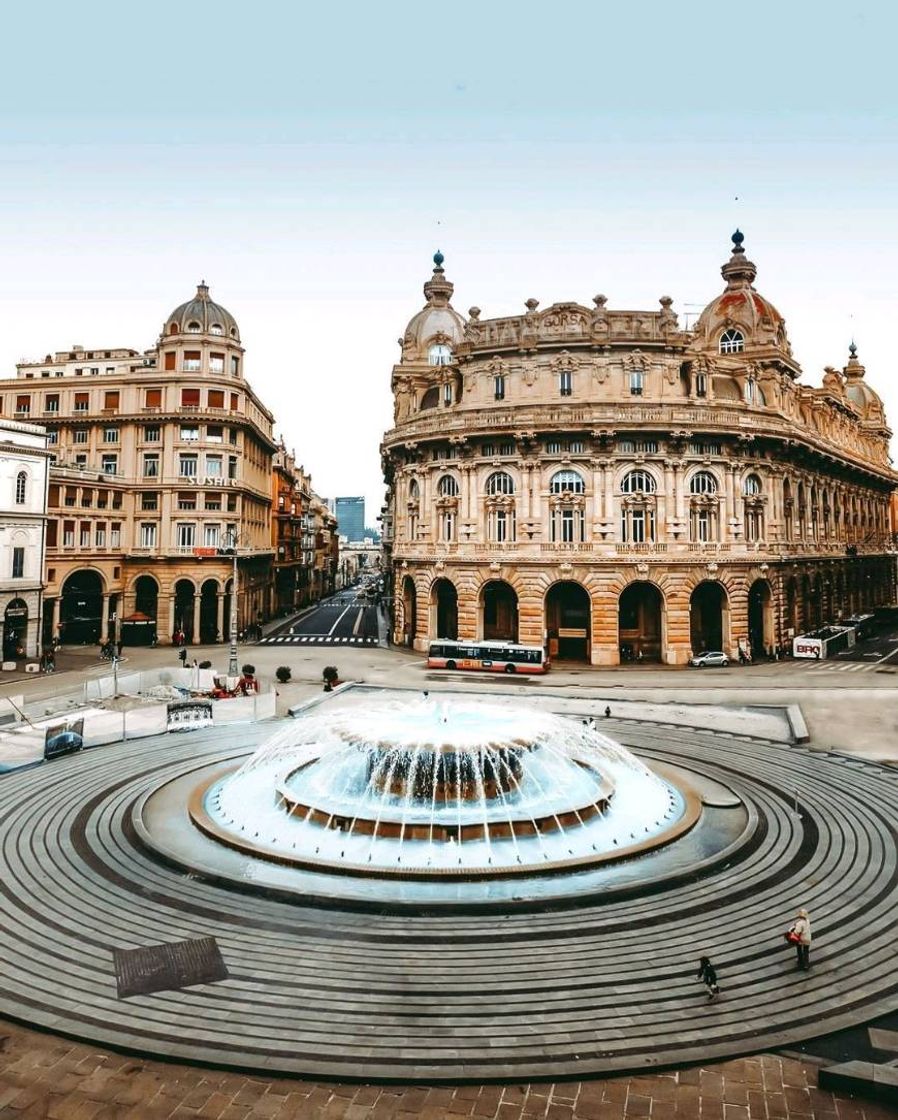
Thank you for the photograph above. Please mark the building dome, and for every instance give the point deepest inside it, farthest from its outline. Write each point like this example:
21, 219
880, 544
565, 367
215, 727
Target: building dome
438, 323
858, 392
202, 315
740, 317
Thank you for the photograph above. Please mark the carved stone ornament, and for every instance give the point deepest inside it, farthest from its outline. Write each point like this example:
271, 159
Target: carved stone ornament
564, 362
712, 569
642, 568
566, 568
529, 372
439, 566
495, 567
600, 370
635, 360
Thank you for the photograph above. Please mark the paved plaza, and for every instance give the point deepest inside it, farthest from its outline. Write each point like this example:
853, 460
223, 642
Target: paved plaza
423, 999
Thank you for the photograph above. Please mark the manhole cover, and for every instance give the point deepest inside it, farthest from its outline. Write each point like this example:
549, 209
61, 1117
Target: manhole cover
160, 968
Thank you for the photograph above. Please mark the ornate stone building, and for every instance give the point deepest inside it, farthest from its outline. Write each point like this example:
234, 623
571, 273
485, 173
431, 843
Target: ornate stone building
614, 486
160, 458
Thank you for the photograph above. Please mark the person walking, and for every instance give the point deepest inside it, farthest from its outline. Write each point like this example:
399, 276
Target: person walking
608, 711
799, 935
708, 976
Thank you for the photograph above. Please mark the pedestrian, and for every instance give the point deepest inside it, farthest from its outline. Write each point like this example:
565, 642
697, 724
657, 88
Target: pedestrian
607, 711
182, 657
118, 649
51, 661
799, 935
708, 975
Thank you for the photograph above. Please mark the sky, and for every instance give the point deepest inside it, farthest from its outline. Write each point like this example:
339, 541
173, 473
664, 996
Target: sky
307, 161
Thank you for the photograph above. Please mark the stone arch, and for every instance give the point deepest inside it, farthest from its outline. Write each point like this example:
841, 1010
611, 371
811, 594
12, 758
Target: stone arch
185, 597
761, 617
145, 589
568, 614
498, 611
791, 605
81, 606
409, 619
15, 629
209, 628
641, 621
443, 609
709, 617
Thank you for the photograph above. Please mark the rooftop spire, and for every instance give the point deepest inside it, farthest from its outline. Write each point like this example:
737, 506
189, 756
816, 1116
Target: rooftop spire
853, 369
438, 290
739, 272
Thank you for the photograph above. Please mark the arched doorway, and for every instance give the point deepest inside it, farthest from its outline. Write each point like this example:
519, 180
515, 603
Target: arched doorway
499, 611
444, 605
639, 622
209, 611
409, 611
568, 621
81, 608
15, 629
185, 593
146, 596
709, 618
761, 630
792, 607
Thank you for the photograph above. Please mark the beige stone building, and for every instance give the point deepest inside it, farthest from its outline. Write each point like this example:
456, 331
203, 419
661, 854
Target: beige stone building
614, 486
161, 458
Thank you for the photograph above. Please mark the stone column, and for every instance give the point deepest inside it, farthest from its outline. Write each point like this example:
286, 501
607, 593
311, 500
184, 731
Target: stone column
608, 512
680, 496
219, 616
662, 528
171, 615
54, 603
525, 491
725, 529
104, 619
196, 617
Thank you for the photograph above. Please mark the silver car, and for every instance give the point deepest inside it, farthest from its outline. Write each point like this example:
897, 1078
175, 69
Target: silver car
716, 659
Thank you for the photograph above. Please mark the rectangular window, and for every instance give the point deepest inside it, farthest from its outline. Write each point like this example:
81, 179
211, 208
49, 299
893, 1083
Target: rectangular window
499, 387
186, 534
213, 466
567, 525
190, 432
81, 402
109, 464
701, 385
213, 501
187, 465
102, 499
151, 466
149, 500
565, 383
52, 402
94, 370
71, 496
576, 447
216, 398
110, 435
81, 460
148, 534
23, 404
87, 498
100, 534
18, 563
68, 534
232, 466
192, 362
235, 366
232, 503
447, 394
153, 398
85, 534
554, 447
111, 399
637, 382
448, 525
232, 436
187, 501
170, 359
115, 534
214, 433
151, 433
211, 535
190, 398
52, 437
79, 435
52, 537
216, 364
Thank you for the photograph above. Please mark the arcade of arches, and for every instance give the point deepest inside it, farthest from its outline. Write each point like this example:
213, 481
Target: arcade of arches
628, 616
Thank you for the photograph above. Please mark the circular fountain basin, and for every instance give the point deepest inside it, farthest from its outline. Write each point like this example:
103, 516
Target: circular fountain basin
427, 790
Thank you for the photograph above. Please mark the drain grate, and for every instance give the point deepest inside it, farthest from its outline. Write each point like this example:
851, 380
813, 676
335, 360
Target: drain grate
161, 968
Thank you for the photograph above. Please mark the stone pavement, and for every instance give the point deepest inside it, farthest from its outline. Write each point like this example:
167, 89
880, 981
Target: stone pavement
47, 1078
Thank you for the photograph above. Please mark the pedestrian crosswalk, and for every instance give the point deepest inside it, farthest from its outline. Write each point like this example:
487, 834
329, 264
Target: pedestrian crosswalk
315, 640
838, 666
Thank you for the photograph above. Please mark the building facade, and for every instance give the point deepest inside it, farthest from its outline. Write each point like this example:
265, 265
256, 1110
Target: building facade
350, 513
615, 487
23, 501
160, 459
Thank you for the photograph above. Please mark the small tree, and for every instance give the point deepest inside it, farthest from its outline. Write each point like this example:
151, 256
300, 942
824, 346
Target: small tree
282, 672
248, 670
331, 677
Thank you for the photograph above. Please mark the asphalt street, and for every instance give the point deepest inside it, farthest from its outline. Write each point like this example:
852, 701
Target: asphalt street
346, 618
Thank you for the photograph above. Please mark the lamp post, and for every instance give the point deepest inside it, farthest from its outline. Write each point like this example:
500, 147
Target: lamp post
231, 549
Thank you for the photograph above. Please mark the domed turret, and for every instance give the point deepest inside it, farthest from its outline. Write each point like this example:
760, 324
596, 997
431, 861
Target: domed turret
858, 392
201, 315
740, 319
434, 332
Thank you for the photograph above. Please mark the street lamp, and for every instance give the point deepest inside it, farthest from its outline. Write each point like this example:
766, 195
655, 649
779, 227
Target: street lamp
231, 550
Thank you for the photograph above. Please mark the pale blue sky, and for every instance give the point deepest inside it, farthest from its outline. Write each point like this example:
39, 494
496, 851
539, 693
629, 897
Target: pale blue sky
307, 160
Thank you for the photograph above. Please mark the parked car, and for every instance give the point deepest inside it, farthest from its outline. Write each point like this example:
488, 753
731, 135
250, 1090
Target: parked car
714, 659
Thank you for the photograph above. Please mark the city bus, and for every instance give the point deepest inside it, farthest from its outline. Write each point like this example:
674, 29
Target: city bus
494, 657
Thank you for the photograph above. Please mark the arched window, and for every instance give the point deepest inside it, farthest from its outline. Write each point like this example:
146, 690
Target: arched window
173, 329
732, 342
439, 355
638, 482
703, 483
216, 328
448, 486
193, 327
500, 482
751, 485
431, 398
414, 492
233, 332
566, 480
21, 482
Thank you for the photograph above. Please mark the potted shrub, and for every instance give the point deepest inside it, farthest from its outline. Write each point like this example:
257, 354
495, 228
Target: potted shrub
282, 672
331, 677
205, 664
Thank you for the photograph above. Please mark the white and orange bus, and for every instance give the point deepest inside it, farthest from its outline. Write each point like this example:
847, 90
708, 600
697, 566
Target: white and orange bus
494, 657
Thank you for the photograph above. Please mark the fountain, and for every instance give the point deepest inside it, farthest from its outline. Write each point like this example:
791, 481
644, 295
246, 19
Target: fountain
429, 789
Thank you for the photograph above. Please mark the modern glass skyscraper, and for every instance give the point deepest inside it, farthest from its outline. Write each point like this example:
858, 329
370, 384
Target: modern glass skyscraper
350, 518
